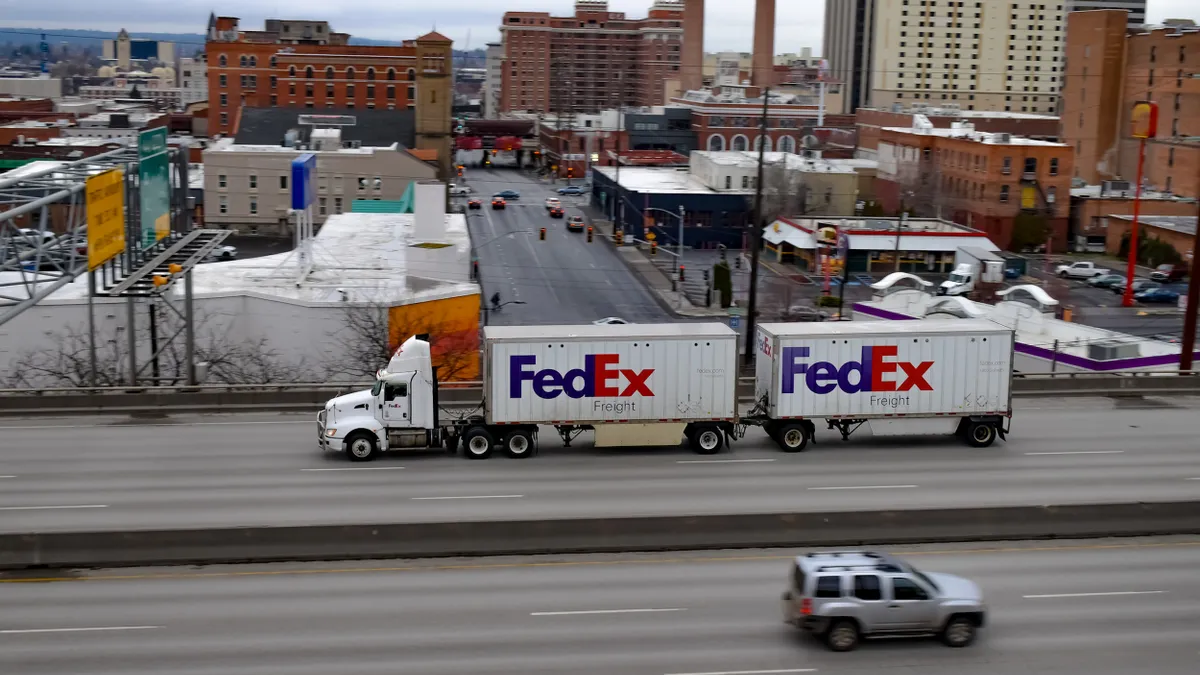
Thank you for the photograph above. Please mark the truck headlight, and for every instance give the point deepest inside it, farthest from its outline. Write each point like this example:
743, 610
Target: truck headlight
331, 433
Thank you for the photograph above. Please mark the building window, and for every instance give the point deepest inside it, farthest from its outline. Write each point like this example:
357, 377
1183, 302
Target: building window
412, 75
1168, 186
370, 74
1006, 166
224, 100
321, 205
253, 182
253, 206
329, 91
412, 93
362, 184
337, 204
242, 61
350, 91
222, 61
222, 80
274, 100
745, 182
1053, 166
283, 182
370, 91
391, 74
308, 90
292, 89
253, 61
391, 92
728, 182
1153, 54
274, 81
1003, 194
1171, 157
291, 71
350, 74
223, 204
1051, 194
740, 143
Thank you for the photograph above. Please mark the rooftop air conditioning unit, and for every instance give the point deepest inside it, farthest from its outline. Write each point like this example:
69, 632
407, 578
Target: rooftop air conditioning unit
1115, 186
1109, 350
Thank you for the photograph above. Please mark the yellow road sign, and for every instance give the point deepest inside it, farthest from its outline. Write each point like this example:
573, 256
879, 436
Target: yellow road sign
105, 216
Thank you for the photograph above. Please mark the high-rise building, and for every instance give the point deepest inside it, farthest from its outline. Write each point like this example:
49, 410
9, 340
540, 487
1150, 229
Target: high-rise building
494, 80
304, 64
593, 60
1136, 8
981, 55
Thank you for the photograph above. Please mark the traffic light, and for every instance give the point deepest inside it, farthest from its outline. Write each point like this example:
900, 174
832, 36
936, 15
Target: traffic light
681, 273
543, 234
570, 172
654, 248
589, 234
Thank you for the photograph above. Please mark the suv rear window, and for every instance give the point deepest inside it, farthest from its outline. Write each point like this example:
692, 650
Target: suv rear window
828, 587
866, 587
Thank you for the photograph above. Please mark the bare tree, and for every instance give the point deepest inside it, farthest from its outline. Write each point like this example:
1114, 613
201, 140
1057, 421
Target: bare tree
783, 192
371, 333
920, 184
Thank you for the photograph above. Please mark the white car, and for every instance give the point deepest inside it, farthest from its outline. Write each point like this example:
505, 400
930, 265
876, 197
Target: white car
1080, 270
610, 321
223, 253
459, 190
553, 202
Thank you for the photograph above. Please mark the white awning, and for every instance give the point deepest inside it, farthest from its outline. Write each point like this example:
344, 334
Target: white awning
791, 235
883, 242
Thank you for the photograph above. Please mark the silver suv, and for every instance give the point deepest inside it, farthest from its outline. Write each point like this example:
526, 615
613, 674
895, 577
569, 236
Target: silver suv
844, 596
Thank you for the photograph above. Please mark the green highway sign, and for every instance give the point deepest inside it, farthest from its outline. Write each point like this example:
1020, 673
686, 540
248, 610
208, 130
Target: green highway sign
154, 185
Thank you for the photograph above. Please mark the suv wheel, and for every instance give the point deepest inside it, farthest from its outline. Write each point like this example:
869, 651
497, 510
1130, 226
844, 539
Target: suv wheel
843, 636
959, 632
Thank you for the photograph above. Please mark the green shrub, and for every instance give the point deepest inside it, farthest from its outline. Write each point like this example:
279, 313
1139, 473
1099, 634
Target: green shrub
828, 301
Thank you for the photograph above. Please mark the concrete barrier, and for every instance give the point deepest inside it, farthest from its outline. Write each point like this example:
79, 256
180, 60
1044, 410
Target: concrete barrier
335, 542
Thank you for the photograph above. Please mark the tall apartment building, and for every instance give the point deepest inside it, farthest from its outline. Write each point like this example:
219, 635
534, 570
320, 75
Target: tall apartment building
1136, 8
492, 84
1111, 67
305, 64
1000, 55
593, 60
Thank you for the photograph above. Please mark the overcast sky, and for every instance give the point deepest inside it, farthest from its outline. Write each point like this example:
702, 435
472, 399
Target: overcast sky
728, 26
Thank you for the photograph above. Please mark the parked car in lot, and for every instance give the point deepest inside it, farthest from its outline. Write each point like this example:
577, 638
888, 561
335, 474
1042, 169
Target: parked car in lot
474, 203
1167, 273
575, 223
498, 203
1139, 285
223, 253
1084, 269
1157, 294
556, 212
508, 194
552, 202
570, 190
845, 596
1105, 280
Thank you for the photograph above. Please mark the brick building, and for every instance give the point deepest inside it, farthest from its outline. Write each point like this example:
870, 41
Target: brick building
1178, 231
304, 64
1111, 66
1091, 205
870, 121
981, 180
592, 60
723, 122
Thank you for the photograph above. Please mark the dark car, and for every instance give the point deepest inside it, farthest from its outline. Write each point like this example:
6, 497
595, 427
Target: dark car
474, 203
1167, 273
498, 203
508, 194
556, 212
1139, 285
1157, 294
1105, 280
570, 190
575, 223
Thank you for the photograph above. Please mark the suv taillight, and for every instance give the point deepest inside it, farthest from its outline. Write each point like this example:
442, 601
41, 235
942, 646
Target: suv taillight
806, 607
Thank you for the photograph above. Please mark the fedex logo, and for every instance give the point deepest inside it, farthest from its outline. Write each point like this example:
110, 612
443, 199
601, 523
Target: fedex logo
873, 371
599, 377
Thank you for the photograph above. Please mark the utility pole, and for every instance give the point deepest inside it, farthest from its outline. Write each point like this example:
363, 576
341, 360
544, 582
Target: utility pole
756, 230
680, 270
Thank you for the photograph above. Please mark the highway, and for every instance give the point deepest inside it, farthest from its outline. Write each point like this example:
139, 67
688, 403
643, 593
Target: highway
201, 471
562, 280
1101, 608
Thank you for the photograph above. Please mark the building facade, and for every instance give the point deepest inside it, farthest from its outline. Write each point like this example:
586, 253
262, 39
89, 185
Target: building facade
304, 64
849, 30
193, 79
870, 121
493, 83
735, 123
591, 61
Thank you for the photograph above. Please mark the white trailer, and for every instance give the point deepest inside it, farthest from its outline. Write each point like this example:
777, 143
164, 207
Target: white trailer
898, 377
632, 385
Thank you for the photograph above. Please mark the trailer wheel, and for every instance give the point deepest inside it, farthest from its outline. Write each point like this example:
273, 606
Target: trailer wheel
792, 438
707, 440
980, 434
361, 447
477, 443
518, 444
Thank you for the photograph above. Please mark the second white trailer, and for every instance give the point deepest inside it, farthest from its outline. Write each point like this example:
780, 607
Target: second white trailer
898, 377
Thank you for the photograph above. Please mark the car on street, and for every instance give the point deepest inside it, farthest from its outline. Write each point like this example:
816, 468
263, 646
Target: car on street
498, 203
575, 223
223, 253
556, 212
1139, 285
459, 190
30, 235
474, 203
1105, 280
570, 190
1157, 294
610, 321
842, 597
1167, 272
508, 194
1084, 269
553, 202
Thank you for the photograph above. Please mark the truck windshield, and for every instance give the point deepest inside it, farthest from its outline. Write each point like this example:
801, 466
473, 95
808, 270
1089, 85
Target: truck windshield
959, 278
377, 387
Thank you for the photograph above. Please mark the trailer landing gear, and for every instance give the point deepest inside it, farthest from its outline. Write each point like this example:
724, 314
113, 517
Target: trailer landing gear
846, 427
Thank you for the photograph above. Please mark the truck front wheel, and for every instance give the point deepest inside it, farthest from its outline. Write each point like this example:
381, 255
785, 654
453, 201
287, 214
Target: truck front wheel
518, 444
361, 447
980, 434
477, 443
707, 440
792, 438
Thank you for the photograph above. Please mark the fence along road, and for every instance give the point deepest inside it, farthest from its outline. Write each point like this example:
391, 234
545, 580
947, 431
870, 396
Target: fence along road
208, 471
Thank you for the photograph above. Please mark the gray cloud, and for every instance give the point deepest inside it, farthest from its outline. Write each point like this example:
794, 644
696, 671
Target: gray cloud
729, 24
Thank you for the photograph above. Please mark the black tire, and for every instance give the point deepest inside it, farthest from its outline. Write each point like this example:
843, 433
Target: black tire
707, 440
518, 444
477, 443
959, 632
792, 438
843, 636
980, 434
1062, 275
361, 447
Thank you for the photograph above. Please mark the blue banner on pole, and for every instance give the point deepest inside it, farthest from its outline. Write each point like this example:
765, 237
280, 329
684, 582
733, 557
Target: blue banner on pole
304, 181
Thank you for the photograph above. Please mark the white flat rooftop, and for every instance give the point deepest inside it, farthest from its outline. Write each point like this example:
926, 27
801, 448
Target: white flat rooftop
987, 138
651, 179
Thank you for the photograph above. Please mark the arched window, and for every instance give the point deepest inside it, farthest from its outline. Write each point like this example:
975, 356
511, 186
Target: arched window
242, 60
291, 71
739, 142
222, 61
308, 73
759, 141
329, 72
370, 74
391, 73
253, 61
412, 74
787, 144
350, 74
716, 143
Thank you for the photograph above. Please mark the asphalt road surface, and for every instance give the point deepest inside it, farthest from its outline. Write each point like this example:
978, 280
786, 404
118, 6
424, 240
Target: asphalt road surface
561, 280
78, 474
1101, 608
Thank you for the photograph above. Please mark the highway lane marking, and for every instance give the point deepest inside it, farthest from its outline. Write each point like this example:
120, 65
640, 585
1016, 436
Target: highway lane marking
609, 611
88, 629
1078, 452
67, 506
721, 461
576, 563
7, 476
360, 468
470, 497
865, 487
753, 672
1196, 478
1091, 595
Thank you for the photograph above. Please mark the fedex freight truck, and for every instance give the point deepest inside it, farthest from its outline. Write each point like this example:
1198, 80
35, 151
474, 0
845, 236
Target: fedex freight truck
631, 385
898, 377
